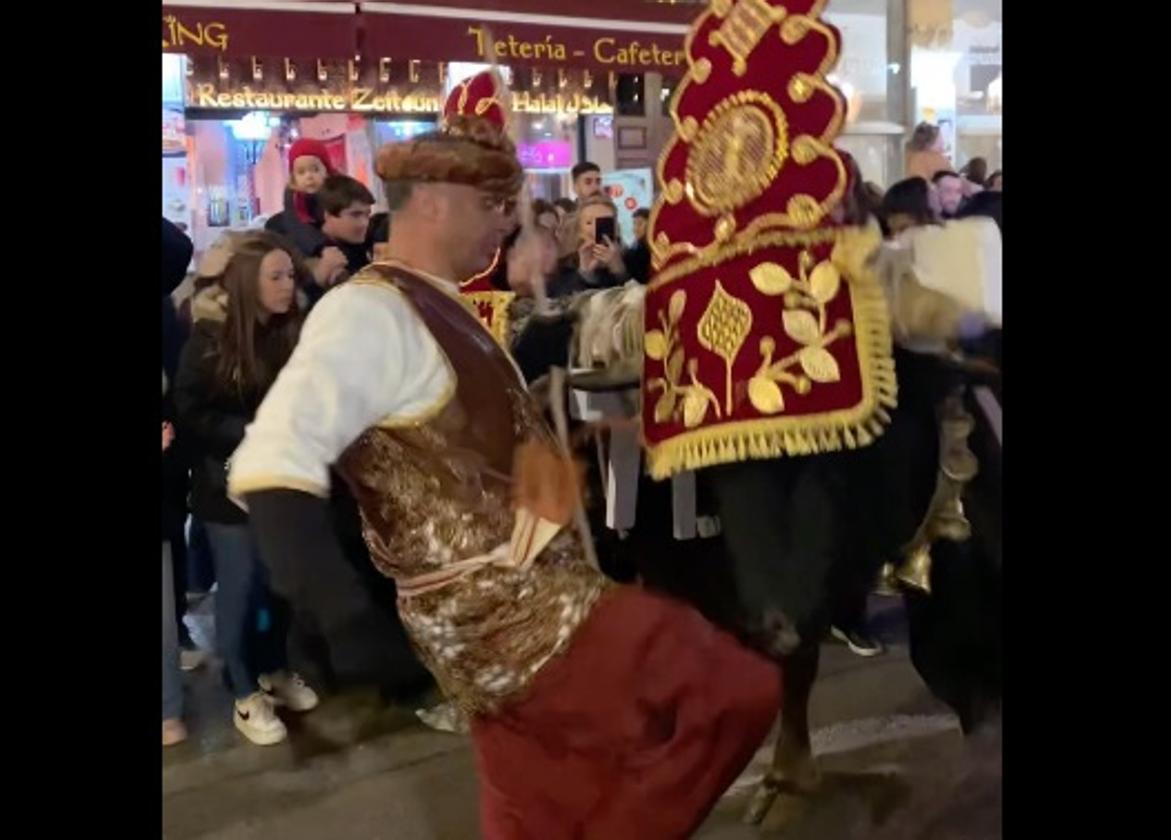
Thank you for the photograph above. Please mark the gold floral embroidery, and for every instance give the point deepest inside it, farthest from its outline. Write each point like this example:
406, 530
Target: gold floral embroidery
804, 320
743, 29
780, 434
722, 252
796, 27
678, 401
803, 211
740, 150
722, 329
702, 70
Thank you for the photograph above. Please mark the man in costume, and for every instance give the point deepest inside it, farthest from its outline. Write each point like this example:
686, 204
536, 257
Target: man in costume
596, 710
768, 350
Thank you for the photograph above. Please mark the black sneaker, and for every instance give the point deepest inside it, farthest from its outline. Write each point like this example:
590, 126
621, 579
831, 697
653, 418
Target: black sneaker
859, 642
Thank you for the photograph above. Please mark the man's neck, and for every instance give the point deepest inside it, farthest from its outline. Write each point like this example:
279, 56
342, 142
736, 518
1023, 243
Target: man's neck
414, 252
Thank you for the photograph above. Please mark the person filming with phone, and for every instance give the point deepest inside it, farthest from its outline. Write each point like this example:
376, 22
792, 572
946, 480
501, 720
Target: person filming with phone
591, 250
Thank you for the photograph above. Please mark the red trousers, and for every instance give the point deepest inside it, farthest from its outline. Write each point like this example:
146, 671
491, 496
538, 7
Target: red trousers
634, 732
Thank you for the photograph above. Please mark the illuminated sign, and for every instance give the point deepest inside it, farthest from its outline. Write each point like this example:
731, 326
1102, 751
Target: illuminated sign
177, 35
606, 50
545, 154
357, 99
364, 99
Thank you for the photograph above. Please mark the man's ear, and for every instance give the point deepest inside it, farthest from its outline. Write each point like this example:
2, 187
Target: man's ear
427, 201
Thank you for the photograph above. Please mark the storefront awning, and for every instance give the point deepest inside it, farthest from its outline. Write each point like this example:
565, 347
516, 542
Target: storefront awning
239, 28
617, 35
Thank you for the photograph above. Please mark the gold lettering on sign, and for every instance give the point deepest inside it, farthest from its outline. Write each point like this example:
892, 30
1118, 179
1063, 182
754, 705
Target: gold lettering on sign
608, 51
199, 34
355, 99
524, 102
359, 97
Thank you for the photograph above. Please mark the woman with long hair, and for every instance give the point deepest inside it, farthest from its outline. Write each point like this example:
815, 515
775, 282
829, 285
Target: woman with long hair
925, 154
587, 260
246, 322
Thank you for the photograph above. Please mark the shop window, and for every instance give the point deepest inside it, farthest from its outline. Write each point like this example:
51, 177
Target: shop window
630, 95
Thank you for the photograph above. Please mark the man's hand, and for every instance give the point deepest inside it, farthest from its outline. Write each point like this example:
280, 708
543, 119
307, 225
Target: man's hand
546, 482
587, 258
168, 435
329, 266
533, 256
609, 254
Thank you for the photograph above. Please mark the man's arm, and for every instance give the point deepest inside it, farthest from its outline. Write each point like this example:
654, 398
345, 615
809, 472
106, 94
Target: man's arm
177, 250
307, 568
363, 357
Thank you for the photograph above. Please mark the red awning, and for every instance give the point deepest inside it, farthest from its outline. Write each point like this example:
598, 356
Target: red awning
238, 28
618, 35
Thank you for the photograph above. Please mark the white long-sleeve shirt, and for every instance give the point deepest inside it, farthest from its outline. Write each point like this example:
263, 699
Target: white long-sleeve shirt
365, 358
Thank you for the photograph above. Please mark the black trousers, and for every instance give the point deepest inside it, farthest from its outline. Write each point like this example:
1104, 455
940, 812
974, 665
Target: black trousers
956, 634
800, 537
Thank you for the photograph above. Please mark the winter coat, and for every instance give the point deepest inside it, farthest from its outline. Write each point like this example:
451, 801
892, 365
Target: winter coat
174, 480
307, 238
177, 250
569, 280
211, 419
638, 261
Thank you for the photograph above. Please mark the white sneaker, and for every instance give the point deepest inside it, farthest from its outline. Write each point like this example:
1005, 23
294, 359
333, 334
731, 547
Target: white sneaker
190, 659
256, 720
289, 690
174, 732
446, 717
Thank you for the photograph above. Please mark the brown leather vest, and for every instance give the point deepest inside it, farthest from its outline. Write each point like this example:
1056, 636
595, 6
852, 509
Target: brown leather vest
437, 491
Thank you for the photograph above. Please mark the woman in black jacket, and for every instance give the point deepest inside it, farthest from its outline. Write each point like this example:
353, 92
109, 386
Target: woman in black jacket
246, 324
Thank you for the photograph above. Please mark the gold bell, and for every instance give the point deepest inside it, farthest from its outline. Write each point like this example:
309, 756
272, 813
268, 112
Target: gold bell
915, 571
950, 523
888, 583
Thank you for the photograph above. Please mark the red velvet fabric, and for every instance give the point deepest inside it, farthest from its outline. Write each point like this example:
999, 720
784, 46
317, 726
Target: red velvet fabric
786, 64
478, 96
733, 275
633, 733
770, 67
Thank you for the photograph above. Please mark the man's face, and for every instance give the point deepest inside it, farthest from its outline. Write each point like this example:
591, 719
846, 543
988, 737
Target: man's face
350, 226
587, 184
472, 224
640, 225
951, 193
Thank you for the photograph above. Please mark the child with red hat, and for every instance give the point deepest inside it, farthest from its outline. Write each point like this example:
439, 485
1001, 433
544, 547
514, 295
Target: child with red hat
300, 221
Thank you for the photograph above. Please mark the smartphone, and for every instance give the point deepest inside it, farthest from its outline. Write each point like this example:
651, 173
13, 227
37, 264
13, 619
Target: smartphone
604, 228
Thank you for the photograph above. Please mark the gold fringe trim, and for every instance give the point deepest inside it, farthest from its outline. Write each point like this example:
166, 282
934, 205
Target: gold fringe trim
775, 437
717, 253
